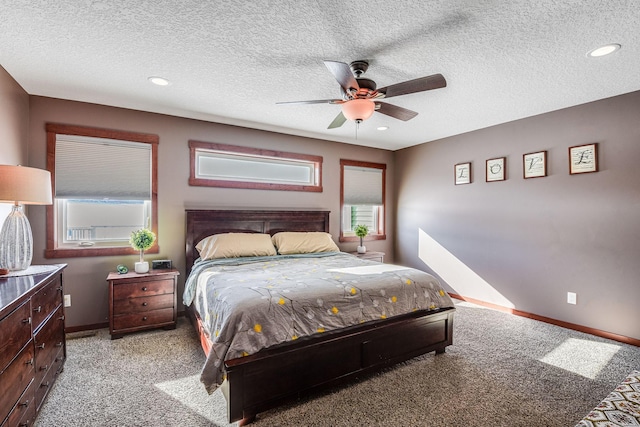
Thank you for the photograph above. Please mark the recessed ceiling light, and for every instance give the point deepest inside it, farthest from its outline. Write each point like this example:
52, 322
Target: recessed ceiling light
604, 50
159, 81
383, 127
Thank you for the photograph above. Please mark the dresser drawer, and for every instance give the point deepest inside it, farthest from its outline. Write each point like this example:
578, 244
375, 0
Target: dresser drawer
15, 331
43, 387
137, 320
24, 413
143, 288
15, 379
142, 304
46, 301
48, 342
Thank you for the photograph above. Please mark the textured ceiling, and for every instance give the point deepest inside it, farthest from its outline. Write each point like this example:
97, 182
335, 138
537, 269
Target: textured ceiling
231, 61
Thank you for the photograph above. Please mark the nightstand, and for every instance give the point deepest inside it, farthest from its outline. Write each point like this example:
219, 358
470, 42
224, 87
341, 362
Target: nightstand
372, 256
142, 301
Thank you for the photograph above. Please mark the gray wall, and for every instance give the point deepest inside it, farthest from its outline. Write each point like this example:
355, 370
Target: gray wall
522, 243
14, 126
85, 277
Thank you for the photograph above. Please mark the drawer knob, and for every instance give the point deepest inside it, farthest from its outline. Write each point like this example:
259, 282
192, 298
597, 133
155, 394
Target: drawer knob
29, 362
37, 310
45, 384
144, 288
44, 368
24, 424
144, 304
25, 404
27, 320
144, 318
61, 318
40, 345
59, 344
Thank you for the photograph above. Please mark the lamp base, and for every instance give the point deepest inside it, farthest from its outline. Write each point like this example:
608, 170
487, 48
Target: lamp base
16, 241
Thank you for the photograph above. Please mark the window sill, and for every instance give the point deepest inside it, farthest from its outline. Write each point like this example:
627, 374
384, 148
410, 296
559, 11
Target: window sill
95, 252
365, 239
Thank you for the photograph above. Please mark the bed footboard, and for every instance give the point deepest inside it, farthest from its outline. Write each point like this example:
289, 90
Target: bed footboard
265, 380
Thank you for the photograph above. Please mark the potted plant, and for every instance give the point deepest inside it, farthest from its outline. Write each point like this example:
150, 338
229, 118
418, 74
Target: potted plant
142, 240
361, 231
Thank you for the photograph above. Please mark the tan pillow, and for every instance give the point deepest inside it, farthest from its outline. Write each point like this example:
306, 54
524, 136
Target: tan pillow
235, 245
289, 242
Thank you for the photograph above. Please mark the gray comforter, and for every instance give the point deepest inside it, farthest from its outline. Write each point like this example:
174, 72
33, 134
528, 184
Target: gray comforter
247, 304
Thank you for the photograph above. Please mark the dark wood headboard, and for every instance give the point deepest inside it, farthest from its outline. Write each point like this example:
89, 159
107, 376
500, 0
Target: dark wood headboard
203, 223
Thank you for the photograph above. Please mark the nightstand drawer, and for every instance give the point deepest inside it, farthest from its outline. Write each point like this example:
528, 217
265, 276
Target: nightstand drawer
142, 304
123, 291
150, 318
142, 301
371, 256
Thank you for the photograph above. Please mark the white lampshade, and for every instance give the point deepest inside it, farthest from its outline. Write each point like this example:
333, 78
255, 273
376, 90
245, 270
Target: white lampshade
20, 185
358, 109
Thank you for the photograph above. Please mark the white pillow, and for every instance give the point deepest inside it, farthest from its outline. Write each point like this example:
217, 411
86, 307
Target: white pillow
235, 245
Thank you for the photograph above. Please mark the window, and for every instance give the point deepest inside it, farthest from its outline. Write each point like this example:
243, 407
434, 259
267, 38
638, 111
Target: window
104, 187
362, 199
221, 165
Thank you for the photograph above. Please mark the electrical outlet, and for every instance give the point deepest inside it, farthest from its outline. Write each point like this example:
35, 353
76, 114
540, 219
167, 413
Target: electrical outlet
67, 300
572, 298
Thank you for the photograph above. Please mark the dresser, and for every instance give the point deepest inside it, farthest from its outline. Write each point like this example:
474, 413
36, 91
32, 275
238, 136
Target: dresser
32, 342
142, 301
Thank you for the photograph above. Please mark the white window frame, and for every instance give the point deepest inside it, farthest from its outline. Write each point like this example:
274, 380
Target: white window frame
270, 160
61, 206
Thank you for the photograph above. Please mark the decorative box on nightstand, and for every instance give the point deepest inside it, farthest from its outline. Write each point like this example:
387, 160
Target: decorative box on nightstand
142, 301
372, 256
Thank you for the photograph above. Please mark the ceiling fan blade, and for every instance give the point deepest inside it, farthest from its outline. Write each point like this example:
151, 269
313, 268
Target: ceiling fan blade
313, 101
395, 111
338, 121
342, 73
435, 81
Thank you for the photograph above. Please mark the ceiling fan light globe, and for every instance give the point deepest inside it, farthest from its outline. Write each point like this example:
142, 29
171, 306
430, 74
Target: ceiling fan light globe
358, 109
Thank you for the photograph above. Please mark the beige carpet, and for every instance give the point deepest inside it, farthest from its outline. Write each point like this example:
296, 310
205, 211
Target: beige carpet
502, 370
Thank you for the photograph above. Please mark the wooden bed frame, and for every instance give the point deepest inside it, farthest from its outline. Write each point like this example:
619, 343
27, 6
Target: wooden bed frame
272, 376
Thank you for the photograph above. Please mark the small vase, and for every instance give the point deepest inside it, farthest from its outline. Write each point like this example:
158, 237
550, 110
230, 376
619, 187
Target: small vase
142, 267
362, 249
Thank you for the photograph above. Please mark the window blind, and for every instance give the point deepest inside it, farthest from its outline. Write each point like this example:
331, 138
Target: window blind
362, 186
240, 167
99, 168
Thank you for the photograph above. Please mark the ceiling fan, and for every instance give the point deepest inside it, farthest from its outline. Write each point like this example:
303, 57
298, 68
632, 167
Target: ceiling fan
360, 96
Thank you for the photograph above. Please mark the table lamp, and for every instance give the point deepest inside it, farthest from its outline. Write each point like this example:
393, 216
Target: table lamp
20, 185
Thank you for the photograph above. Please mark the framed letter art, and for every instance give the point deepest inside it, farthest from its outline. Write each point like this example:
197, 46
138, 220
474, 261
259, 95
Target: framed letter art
496, 169
462, 173
583, 159
534, 165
